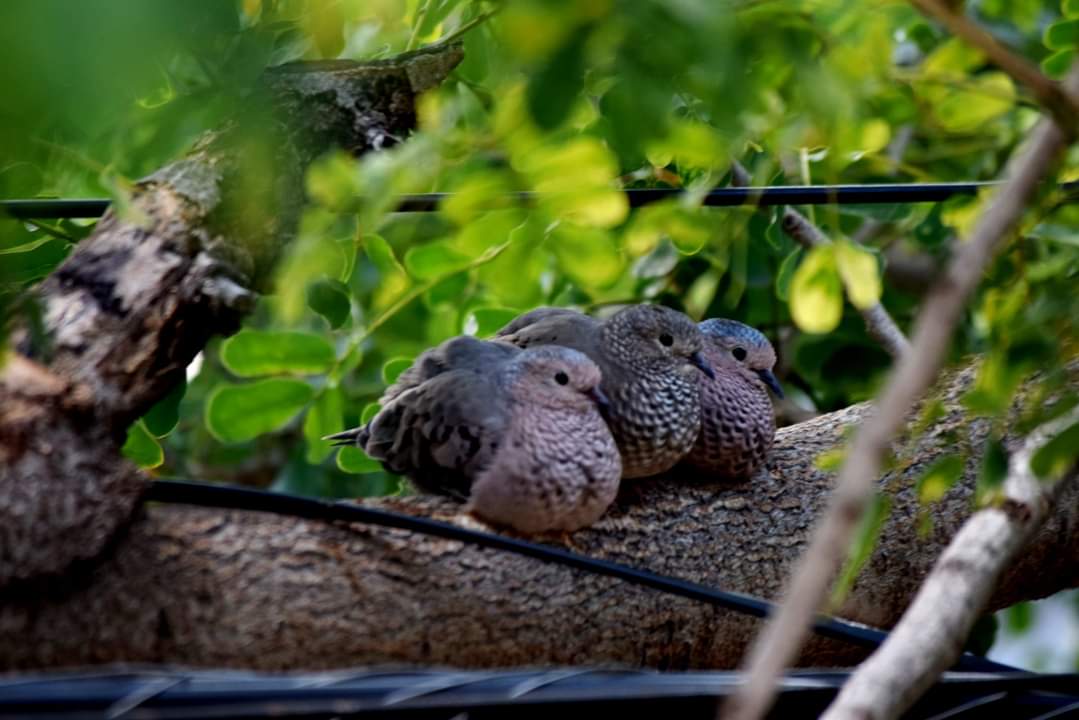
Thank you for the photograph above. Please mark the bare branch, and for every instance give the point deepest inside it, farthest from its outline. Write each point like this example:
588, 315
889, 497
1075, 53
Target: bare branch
776, 647
1060, 103
931, 634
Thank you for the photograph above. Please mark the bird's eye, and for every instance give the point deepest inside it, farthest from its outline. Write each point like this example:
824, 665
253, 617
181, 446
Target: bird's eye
666, 340
561, 378
739, 353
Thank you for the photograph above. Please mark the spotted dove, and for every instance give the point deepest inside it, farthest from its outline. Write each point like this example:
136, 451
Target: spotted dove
737, 421
650, 357
516, 432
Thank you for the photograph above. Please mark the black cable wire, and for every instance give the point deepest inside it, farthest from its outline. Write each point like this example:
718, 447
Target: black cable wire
241, 498
764, 196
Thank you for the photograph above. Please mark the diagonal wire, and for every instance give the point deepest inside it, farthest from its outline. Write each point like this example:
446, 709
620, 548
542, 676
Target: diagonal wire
241, 498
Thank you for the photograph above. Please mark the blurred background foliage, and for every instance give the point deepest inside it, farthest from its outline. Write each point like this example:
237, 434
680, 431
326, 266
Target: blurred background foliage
575, 99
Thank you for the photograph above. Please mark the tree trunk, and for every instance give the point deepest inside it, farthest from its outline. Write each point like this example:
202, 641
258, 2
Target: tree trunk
232, 588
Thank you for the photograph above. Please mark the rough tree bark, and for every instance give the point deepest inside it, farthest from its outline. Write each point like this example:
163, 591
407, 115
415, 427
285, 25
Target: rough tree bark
88, 575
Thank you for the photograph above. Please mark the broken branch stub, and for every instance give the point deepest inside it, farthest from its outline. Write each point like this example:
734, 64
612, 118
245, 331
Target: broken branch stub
138, 299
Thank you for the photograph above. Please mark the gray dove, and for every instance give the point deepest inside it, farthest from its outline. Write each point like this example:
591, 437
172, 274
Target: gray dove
650, 357
737, 420
516, 432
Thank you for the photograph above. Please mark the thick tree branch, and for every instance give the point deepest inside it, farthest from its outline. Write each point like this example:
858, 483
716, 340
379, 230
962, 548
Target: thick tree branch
135, 301
916, 371
931, 634
203, 587
1060, 102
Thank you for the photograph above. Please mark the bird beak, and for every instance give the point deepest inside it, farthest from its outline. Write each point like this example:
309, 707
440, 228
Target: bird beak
698, 361
770, 380
599, 398
348, 437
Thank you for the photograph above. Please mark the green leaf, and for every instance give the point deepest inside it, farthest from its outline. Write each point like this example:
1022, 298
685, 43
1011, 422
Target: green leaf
786, 273
939, 477
693, 144
1019, 617
369, 412
324, 417
251, 353
865, 540
433, 13
448, 291
858, 269
556, 86
1057, 456
236, 413
701, 293
381, 255
393, 368
486, 321
352, 460
816, 293
318, 251
688, 229
331, 181
426, 262
479, 193
393, 280
994, 468
1069, 8
330, 299
1062, 35
513, 278
990, 95
165, 414
1057, 64
588, 256
32, 261
578, 182
142, 448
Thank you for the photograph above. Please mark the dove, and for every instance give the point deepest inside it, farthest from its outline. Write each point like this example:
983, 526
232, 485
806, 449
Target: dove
737, 420
650, 357
516, 433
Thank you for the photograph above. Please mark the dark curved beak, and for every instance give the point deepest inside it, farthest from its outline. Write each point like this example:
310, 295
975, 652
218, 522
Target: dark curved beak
770, 380
697, 359
599, 398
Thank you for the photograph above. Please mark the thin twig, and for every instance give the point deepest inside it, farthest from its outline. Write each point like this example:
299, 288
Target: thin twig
52, 229
453, 36
1060, 103
931, 634
777, 645
878, 323
421, 18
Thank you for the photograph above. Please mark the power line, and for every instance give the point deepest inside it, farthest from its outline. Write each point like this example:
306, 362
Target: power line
763, 196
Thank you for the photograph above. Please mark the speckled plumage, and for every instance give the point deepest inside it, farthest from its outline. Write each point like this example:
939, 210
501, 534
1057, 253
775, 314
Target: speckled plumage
737, 420
650, 358
516, 432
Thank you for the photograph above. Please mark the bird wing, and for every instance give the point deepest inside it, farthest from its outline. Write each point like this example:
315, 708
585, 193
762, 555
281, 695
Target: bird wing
553, 326
459, 353
441, 432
